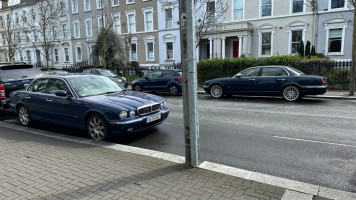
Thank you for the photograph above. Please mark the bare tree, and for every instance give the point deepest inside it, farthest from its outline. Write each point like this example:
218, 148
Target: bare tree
8, 36
208, 14
40, 25
353, 66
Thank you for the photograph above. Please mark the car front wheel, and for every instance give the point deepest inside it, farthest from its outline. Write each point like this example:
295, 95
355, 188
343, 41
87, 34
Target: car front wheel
216, 91
24, 116
291, 93
97, 128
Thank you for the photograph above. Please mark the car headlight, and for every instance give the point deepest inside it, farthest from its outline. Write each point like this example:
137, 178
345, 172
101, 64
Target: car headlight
123, 78
120, 80
123, 114
132, 113
164, 103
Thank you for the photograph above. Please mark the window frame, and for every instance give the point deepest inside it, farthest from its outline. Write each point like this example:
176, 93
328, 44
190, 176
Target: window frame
91, 27
77, 54
85, 5
166, 47
145, 11
66, 55
76, 32
128, 2
261, 10
56, 55
296, 13
75, 5
261, 30
295, 27
233, 11
335, 24
165, 18
128, 14
115, 5
99, 2
341, 8
114, 17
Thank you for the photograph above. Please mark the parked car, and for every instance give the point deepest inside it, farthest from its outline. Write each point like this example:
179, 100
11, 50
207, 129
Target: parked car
107, 73
56, 72
160, 80
286, 81
93, 103
14, 77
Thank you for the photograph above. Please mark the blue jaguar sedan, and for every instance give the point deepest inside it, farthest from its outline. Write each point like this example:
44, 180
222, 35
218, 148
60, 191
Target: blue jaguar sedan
288, 82
93, 103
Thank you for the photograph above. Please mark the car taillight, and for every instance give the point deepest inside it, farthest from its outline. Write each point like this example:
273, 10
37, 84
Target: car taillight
2, 91
180, 79
322, 81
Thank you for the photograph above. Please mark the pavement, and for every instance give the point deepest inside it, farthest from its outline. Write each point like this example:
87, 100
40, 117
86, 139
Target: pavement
330, 94
37, 164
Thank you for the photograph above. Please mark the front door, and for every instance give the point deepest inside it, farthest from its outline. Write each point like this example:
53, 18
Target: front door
235, 49
272, 80
154, 81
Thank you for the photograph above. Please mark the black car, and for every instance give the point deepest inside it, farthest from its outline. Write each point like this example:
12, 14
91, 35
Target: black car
285, 81
14, 77
107, 73
167, 80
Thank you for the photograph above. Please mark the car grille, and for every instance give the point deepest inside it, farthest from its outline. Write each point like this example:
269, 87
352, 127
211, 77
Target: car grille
148, 109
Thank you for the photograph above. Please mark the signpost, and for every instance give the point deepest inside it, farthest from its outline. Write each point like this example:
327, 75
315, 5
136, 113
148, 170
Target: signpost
190, 99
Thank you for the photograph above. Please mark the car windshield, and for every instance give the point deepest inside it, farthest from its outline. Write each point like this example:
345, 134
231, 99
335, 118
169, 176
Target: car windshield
296, 71
94, 85
107, 73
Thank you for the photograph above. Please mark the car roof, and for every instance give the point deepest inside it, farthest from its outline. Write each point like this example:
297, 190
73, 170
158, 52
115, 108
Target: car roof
67, 76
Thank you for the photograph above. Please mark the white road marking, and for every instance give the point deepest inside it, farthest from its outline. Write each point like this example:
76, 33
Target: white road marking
315, 141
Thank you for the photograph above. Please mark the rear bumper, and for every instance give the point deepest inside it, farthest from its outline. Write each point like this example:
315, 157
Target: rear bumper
138, 124
314, 90
4, 103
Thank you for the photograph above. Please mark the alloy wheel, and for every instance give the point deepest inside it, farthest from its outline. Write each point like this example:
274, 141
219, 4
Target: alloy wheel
24, 116
216, 91
137, 88
173, 90
97, 128
291, 93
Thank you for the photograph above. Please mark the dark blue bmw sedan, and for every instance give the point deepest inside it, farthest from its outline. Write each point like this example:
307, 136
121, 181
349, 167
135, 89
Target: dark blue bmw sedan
90, 102
288, 82
160, 81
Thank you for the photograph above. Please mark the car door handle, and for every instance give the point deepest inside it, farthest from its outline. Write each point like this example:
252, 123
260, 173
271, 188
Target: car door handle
49, 100
252, 79
281, 79
28, 97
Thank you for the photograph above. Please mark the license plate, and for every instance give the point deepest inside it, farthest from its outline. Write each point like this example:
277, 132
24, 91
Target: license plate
153, 118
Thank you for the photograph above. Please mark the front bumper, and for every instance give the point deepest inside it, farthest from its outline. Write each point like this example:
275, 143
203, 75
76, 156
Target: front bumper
137, 124
206, 88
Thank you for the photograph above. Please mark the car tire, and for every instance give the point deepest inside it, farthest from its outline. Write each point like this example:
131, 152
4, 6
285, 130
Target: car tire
173, 90
137, 88
97, 128
216, 91
24, 116
291, 93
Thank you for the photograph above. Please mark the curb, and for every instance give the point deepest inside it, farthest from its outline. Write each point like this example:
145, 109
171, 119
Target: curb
315, 97
294, 189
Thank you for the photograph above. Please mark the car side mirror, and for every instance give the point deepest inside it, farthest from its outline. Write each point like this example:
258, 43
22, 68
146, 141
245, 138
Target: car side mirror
26, 85
238, 75
61, 93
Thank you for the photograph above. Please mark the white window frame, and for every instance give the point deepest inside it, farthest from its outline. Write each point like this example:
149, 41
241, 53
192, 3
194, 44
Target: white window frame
243, 11
115, 16
64, 31
147, 10
265, 29
206, 7
85, 7
99, 2
128, 2
66, 54
128, 13
74, 29
149, 39
89, 32
77, 55
345, 6
295, 27
272, 8
113, 5
74, 5
28, 55
55, 56
335, 24
133, 41
98, 19
165, 17
89, 51
291, 8
169, 38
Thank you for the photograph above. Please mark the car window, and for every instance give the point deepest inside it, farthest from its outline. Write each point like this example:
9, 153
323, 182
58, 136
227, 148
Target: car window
250, 72
169, 73
156, 74
57, 84
19, 72
96, 72
40, 85
273, 71
94, 85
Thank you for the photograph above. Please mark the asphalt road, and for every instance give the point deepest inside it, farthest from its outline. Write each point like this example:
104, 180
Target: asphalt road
312, 141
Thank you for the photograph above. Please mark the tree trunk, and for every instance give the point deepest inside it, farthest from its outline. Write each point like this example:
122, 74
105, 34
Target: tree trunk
353, 65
